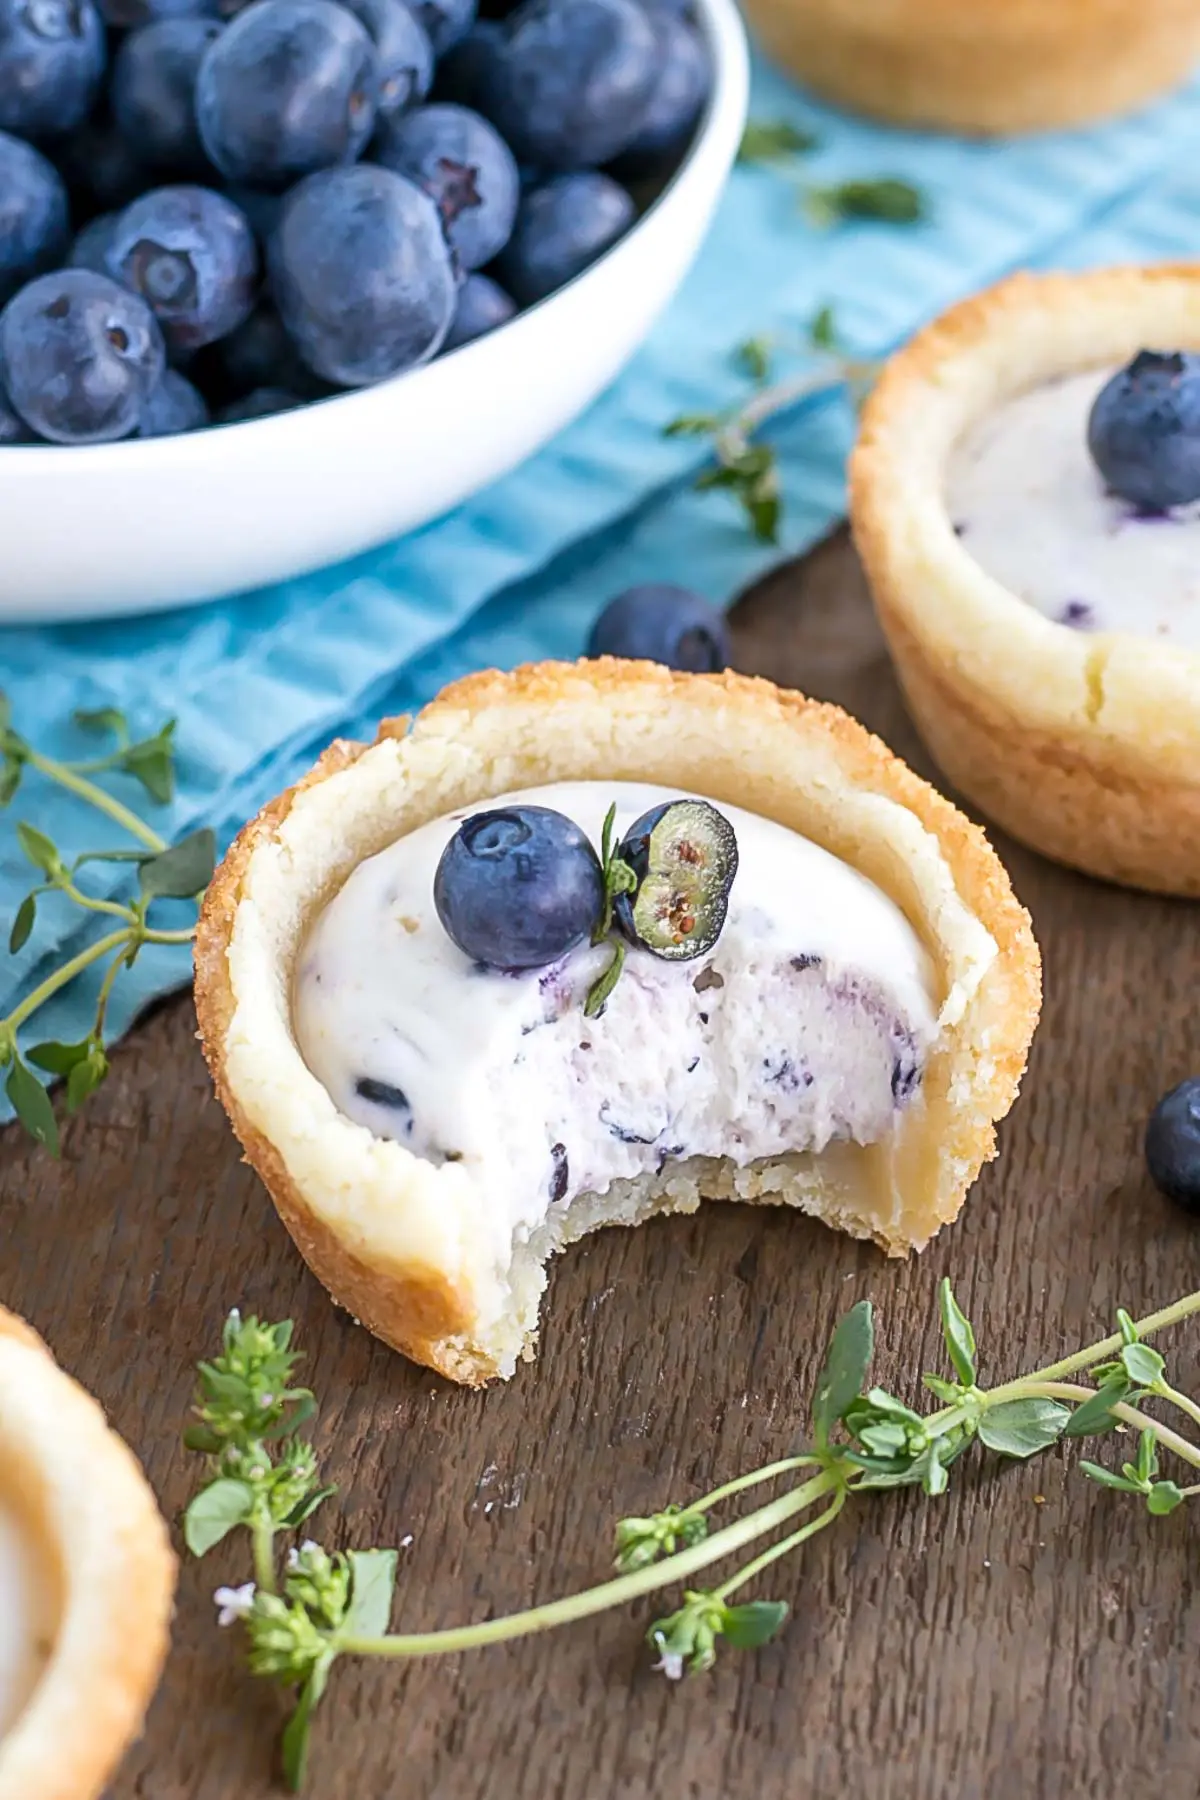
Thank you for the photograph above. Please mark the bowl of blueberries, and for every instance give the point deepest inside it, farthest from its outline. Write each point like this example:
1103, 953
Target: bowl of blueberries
281, 281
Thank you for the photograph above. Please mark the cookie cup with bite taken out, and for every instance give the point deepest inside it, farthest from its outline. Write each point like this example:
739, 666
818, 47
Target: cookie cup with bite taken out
432, 1130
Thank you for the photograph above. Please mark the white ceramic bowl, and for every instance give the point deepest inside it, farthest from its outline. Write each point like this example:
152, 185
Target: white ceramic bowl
107, 529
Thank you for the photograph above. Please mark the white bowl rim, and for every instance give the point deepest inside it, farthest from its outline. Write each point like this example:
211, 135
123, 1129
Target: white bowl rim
724, 34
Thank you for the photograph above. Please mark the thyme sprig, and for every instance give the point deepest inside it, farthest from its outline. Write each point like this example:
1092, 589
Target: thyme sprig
619, 879
298, 1620
163, 871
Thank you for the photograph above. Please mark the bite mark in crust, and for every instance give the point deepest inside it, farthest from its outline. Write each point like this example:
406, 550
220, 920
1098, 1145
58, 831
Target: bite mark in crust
404, 1246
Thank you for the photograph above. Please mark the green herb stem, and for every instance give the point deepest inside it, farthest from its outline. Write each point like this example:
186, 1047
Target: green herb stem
1165, 1391
106, 987
617, 1592
95, 796
148, 935
91, 904
784, 1547
61, 977
262, 1538
1084, 1359
1033, 1389
769, 1472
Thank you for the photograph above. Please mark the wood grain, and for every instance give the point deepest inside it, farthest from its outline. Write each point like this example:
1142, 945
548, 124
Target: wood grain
1024, 1637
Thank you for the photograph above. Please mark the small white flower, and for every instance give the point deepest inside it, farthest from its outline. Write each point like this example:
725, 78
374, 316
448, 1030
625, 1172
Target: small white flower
306, 1549
670, 1662
233, 1603
266, 1400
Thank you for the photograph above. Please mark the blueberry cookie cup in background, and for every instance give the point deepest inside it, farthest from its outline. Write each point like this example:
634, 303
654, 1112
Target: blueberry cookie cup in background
983, 66
585, 943
1025, 497
86, 1582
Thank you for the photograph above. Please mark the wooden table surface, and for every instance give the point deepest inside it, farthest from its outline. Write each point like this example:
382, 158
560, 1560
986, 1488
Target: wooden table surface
1026, 1636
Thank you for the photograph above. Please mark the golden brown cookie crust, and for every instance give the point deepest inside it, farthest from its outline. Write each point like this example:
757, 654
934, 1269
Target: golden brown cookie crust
983, 66
388, 1234
88, 1499
1084, 745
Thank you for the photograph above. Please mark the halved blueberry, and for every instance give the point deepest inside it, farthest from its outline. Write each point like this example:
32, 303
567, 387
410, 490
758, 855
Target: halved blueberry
1144, 430
684, 857
517, 887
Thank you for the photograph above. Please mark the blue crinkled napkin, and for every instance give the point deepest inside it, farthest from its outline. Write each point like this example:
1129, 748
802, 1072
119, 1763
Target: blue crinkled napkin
260, 683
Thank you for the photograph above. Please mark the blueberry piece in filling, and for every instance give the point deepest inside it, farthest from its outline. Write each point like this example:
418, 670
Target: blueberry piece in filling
1144, 431
906, 1067
684, 857
1076, 613
665, 624
518, 887
392, 1099
560, 1175
1173, 1145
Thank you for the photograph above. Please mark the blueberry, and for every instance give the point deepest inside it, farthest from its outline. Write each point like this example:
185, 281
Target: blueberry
127, 15
663, 624
561, 228
1144, 430
519, 886
361, 274
52, 57
569, 82
35, 227
261, 207
259, 404
467, 170
174, 406
79, 357
683, 85
1173, 1145
482, 306
288, 88
100, 168
260, 354
405, 53
461, 70
191, 256
445, 21
13, 429
153, 92
90, 249
684, 857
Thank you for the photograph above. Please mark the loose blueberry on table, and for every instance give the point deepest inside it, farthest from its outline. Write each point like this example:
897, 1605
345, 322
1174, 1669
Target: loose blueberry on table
1173, 1145
181, 147
661, 623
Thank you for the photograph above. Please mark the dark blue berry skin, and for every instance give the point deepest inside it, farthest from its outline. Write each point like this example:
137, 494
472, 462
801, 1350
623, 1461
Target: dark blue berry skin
153, 93
405, 54
460, 72
90, 249
361, 274
561, 228
259, 354
1173, 1145
569, 82
445, 22
100, 169
52, 59
35, 226
1144, 431
258, 405
79, 357
191, 255
683, 85
261, 207
289, 87
174, 406
467, 170
128, 15
13, 429
663, 624
517, 887
482, 306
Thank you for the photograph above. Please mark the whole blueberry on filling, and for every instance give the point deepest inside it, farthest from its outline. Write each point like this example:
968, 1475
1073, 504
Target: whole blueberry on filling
174, 406
191, 255
260, 403
445, 22
79, 357
1173, 1145
569, 82
664, 624
1144, 430
518, 887
684, 856
289, 87
361, 274
562, 227
481, 306
467, 170
683, 85
154, 88
404, 51
52, 58
34, 225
